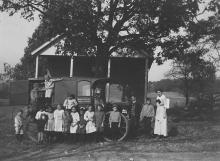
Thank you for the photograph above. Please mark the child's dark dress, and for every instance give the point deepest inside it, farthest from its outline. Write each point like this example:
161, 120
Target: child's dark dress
41, 122
99, 120
82, 125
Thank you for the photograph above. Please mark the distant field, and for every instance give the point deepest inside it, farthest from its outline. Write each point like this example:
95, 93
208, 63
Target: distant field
176, 99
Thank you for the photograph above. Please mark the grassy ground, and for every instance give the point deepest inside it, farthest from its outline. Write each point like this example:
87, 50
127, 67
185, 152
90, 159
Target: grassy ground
189, 139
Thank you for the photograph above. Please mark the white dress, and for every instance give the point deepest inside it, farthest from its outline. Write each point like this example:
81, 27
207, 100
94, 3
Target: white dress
90, 126
49, 126
58, 120
69, 103
160, 127
74, 124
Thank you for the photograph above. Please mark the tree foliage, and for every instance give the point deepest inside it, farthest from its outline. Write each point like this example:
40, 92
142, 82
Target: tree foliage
196, 74
106, 27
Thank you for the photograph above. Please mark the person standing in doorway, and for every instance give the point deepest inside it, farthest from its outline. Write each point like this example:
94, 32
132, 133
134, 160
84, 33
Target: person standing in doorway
160, 128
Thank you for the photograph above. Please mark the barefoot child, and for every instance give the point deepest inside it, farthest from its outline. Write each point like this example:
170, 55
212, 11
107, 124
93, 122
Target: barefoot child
99, 122
19, 132
41, 119
115, 121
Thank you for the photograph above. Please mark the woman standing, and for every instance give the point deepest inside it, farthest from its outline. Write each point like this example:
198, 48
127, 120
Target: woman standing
160, 127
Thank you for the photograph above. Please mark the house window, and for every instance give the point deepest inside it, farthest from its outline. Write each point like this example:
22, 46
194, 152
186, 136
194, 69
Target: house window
84, 88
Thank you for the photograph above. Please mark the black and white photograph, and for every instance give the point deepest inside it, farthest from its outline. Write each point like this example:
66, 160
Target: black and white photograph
109, 80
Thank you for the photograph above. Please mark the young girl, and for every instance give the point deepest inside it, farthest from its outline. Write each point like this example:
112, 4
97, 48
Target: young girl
41, 118
99, 122
82, 124
49, 127
59, 121
90, 125
70, 102
75, 121
114, 121
19, 132
66, 121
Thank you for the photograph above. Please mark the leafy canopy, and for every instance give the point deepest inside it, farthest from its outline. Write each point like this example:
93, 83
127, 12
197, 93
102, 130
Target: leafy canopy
107, 26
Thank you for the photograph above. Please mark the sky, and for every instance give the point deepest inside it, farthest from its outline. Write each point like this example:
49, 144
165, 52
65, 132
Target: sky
14, 34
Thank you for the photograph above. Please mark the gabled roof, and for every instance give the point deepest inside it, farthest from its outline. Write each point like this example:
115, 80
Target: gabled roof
47, 45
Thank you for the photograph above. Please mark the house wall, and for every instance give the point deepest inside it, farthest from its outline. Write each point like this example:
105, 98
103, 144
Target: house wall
124, 70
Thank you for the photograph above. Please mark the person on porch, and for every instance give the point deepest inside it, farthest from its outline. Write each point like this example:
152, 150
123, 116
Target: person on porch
49, 86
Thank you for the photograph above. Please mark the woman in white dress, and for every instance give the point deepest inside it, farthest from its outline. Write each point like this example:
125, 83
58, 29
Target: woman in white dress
160, 127
89, 117
75, 121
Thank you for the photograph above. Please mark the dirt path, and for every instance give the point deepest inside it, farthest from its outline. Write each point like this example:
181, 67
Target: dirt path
195, 141
149, 150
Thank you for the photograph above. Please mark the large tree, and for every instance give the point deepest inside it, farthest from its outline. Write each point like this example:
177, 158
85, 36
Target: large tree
196, 74
104, 27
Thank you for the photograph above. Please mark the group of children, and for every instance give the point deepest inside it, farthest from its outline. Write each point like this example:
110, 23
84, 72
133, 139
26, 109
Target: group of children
70, 122
73, 122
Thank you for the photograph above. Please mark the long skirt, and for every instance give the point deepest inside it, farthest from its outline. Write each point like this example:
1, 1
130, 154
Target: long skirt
160, 127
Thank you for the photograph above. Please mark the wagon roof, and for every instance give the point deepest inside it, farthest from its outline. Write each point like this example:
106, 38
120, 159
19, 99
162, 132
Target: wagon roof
41, 49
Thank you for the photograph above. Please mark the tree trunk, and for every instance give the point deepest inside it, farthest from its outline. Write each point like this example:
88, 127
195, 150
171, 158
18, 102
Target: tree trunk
101, 62
186, 92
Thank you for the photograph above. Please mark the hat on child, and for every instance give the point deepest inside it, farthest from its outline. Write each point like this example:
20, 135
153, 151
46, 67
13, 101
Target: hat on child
82, 108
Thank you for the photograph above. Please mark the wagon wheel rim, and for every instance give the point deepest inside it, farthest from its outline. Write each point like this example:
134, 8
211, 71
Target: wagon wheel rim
123, 130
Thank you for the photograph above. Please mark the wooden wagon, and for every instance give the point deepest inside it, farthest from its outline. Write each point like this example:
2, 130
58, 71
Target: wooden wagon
123, 77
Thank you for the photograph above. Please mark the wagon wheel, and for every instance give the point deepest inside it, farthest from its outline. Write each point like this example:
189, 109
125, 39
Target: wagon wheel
123, 130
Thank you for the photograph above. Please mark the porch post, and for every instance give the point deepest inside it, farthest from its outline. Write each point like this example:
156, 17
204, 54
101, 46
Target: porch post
108, 84
146, 79
71, 67
36, 66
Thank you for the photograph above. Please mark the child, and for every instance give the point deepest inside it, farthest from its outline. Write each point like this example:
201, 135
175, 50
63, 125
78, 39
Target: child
115, 121
82, 124
49, 127
90, 125
59, 121
41, 121
147, 116
99, 122
67, 119
75, 121
70, 102
19, 132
